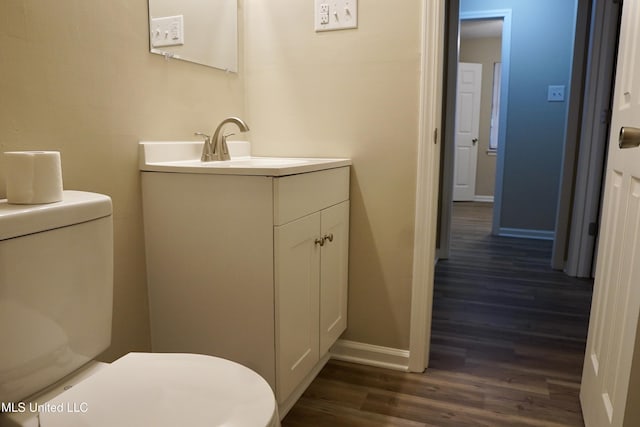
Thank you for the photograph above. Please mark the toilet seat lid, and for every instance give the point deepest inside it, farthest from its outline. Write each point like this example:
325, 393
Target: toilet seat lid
165, 389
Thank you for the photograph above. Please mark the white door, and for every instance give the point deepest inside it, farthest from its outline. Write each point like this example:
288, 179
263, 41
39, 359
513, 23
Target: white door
467, 127
297, 289
606, 395
334, 274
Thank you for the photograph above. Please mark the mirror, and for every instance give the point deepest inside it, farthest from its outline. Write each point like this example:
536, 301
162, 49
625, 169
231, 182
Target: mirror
200, 31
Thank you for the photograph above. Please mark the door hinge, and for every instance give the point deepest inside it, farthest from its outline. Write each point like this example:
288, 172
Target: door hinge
435, 136
593, 228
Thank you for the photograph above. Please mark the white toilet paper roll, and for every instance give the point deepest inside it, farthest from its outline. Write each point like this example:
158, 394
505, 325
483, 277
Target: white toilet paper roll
33, 177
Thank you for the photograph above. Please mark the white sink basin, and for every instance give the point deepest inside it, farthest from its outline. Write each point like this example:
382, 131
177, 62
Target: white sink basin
253, 162
267, 161
184, 157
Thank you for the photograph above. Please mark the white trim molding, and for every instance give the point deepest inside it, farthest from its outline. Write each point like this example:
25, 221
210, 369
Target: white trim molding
524, 233
372, 355
428, 177
483, 199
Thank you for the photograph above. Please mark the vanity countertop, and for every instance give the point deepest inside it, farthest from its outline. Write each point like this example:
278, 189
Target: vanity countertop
184, 157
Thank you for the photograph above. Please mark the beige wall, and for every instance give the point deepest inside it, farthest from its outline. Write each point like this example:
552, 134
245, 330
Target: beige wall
77, 77
486, 52
348, 93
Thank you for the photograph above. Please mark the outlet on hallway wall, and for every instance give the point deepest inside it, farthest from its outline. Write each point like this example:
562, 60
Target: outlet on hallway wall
555, 93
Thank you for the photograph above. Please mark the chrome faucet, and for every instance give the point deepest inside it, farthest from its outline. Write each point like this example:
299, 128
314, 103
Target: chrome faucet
215, 148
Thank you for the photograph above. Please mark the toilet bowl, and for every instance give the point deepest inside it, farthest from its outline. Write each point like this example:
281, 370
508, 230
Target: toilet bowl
56, 302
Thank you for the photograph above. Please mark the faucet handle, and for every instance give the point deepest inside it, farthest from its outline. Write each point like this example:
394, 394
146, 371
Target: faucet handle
207, 138
224, 148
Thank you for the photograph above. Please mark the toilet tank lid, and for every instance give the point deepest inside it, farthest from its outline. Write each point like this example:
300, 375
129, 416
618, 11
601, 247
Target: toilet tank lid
76, 207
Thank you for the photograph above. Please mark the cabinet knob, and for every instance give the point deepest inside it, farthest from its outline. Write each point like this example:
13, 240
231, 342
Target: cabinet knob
328, 237
320, 241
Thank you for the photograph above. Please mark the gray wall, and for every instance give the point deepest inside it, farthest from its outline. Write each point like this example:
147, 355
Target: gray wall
541, 53
485, 51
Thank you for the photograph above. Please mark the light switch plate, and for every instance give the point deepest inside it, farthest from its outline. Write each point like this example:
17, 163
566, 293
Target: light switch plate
555, 93
167, 31
331, 15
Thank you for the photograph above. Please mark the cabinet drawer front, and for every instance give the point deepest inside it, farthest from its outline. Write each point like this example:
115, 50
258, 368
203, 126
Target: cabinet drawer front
298, 195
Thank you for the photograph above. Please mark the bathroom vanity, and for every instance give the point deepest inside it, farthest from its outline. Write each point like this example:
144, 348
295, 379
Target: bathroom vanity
247, 259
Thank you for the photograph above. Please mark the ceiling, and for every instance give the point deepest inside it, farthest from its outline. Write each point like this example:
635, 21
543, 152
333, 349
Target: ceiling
480, 28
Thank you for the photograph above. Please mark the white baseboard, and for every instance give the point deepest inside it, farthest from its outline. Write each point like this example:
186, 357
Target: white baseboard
484, 199
372, 355
526, 234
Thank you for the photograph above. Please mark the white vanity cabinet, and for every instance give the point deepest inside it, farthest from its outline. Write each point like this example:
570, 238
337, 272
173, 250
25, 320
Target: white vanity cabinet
250, 268
311, 241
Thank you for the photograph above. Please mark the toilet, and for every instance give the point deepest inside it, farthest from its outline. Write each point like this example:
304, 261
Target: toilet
56, 287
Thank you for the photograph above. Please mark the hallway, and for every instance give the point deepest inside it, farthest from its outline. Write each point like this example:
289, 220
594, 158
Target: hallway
503, 319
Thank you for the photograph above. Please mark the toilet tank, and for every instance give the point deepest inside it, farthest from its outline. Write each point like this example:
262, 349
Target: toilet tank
56, 287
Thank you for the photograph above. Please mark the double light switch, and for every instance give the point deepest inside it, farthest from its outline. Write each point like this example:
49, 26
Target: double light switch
167, 31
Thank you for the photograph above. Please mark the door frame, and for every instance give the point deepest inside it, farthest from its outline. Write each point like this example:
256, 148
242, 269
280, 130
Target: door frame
446, 189
594, 136
427, 181
578, 118
428, 189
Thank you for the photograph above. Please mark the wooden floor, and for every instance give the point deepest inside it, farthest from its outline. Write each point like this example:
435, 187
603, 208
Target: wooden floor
507, 345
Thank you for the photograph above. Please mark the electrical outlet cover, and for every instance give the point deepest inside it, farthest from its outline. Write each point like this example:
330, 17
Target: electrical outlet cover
333, 15
555, 93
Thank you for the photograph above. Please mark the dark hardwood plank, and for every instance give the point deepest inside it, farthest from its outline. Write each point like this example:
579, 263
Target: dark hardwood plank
319, 413
507, 345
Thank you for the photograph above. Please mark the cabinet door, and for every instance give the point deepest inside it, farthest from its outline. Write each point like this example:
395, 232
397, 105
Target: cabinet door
334, 273
297, 281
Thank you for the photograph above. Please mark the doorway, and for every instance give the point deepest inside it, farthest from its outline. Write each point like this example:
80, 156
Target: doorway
481, 42
531, 144
464, 27
468, 102
589, 14
480, 48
